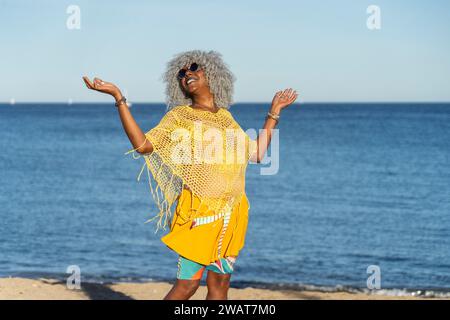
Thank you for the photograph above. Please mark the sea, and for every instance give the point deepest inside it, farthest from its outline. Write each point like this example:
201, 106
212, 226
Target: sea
356, 197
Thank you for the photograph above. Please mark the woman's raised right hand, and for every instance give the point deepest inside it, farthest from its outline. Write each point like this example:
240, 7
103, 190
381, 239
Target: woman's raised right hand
103, 86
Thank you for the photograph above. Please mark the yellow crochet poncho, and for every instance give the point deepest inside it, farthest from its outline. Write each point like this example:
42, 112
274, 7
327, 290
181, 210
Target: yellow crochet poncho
205, 152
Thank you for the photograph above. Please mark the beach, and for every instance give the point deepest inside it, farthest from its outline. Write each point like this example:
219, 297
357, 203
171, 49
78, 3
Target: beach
51, 289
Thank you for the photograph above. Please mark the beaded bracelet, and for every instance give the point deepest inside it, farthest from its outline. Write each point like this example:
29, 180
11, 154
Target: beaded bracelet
122, 100
274, 116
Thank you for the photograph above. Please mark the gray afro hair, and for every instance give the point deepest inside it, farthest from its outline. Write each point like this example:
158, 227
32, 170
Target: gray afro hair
219, 77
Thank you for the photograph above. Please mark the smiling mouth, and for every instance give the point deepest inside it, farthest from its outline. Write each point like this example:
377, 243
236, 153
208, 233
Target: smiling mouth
190, 80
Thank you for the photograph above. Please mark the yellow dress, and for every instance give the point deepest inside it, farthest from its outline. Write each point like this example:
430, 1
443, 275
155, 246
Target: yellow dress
210, 219
206, 241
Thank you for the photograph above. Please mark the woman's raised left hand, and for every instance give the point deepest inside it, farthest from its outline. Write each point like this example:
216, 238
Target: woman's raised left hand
282, 99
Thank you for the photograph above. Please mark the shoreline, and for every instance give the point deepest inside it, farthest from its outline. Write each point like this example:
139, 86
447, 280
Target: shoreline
17, 288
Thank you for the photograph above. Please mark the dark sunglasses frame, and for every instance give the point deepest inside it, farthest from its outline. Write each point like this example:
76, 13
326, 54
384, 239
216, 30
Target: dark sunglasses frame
182, 73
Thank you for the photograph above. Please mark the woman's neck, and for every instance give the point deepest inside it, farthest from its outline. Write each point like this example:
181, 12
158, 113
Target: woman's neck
205, 102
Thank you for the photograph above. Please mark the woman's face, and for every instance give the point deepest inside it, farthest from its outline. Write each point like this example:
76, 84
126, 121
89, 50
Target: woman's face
194, 81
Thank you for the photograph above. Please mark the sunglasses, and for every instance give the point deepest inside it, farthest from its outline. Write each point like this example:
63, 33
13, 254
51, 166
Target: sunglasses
182, 72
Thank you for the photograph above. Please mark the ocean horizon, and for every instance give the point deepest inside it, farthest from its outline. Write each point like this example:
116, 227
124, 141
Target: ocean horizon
266, 103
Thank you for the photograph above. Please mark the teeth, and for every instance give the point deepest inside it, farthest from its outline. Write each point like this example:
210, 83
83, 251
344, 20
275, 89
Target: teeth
190, 80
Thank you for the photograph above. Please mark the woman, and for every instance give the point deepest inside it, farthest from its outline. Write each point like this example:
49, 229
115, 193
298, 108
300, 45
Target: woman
209, 222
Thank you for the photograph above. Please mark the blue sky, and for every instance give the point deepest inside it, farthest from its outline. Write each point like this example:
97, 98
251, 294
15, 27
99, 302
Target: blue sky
321, 48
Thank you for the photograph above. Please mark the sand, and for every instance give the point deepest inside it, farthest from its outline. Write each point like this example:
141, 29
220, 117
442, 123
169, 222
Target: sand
50, 289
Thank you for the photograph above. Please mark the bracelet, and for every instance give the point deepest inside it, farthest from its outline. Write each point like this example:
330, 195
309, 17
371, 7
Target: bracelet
121, 101
274, 116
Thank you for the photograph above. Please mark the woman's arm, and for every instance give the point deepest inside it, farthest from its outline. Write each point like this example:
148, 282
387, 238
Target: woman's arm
280, 101
133, 131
